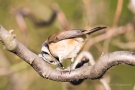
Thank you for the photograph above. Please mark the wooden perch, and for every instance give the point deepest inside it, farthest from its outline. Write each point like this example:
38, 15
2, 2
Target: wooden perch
95, 71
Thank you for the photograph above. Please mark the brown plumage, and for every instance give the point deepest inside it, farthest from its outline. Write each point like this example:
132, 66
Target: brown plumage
65, 44
71, 34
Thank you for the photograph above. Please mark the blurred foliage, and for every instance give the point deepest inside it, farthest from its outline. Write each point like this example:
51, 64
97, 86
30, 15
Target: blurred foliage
81, 14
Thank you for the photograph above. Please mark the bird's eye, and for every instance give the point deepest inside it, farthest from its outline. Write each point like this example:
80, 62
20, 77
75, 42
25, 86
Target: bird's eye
43, 52
51, 61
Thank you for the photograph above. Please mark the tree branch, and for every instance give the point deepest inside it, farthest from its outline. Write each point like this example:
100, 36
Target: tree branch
95, 71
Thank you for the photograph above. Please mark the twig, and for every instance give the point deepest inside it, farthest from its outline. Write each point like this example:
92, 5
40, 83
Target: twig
61, 17
87, 4
129, 45
115, 23
26, 12
109, 34
118, 12
23, 27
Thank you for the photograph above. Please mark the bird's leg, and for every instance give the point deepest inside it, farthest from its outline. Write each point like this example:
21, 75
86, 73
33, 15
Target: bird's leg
72, 60
59, 62
59, 65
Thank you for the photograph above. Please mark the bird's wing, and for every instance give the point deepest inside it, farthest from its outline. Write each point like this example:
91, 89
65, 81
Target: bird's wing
71, 34
65, 35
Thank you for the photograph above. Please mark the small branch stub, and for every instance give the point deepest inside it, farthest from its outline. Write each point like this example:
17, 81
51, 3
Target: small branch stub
8, 39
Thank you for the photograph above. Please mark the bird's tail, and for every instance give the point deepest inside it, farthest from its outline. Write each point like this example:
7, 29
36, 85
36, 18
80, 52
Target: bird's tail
94, 30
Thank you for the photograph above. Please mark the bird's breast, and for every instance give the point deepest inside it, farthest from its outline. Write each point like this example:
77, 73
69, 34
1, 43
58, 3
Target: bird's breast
67, 48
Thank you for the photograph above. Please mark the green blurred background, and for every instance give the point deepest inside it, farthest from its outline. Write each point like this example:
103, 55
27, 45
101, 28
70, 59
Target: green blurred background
15, 74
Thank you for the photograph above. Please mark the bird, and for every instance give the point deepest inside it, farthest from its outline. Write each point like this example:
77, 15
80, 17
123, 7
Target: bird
65, 44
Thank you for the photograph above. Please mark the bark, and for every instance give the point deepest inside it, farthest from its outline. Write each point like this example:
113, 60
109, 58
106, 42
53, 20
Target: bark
95, 71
